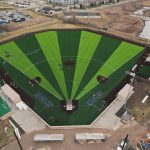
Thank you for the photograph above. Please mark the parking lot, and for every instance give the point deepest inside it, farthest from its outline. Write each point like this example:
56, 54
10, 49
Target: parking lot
25, 4
7, 17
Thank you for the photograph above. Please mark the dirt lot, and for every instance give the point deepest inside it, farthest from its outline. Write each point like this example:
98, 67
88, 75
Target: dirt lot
118, 20
134, 130
5, 137
4, 6
140, 111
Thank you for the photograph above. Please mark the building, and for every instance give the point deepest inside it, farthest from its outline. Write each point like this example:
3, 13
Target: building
126, 92
10, 94
63, 2
83, 3
50, 11
95, 3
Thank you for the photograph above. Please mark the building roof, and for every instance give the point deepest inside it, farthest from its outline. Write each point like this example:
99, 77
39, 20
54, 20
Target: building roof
51, 9
125, 91
10, 93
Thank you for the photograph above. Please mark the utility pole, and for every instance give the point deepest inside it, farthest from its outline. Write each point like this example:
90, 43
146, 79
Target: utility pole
125, 141
18, 140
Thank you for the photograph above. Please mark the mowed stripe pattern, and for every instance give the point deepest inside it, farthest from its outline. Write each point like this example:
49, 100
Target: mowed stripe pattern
85, 54
117, 59
20, 61
101, 54
31, 48
69, 45
50, 47
45, 55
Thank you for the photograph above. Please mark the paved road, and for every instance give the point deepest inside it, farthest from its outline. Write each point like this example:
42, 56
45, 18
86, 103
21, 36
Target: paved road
105, 6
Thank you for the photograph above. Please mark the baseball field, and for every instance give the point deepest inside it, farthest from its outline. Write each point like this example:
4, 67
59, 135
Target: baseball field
71, 65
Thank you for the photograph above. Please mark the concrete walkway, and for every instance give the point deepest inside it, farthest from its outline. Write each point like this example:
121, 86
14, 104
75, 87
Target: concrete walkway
108, 118
26, 119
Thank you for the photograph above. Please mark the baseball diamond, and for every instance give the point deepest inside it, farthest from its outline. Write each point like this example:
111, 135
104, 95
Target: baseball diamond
67, 65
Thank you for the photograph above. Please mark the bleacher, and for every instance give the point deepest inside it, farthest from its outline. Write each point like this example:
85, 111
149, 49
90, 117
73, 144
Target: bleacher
48, 137
90, 136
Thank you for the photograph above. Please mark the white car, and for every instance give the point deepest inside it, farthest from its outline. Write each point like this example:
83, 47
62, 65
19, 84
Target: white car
148, 135
120, 146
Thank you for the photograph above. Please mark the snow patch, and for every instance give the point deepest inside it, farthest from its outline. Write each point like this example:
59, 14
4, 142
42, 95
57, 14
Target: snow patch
146, 29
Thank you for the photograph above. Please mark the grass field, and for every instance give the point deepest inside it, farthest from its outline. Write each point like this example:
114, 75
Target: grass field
44, 54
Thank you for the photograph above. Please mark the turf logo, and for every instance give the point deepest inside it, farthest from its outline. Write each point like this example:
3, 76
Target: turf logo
43, 99
95, 98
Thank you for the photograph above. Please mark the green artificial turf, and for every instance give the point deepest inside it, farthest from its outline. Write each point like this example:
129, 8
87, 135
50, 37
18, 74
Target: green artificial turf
122, 54
19, 60
31, 47
85, 54
144, 71
3, 108
44, 55
50, 47
101, 54
69, 45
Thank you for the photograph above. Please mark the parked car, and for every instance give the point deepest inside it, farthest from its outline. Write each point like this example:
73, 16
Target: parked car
2, 21
144, 146
6, 20
18, 19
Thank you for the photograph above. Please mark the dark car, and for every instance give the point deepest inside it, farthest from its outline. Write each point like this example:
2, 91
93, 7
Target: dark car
18, 19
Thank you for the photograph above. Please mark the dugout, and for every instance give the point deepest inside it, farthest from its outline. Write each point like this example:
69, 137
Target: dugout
8, 92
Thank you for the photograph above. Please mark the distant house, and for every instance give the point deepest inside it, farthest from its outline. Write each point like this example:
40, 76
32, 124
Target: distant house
63, 2
94, 3
83, 3
51, 11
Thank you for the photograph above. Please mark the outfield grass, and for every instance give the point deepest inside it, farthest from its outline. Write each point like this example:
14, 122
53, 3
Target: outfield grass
21, 62
53, 56
85, 54
122, 54
43, 55
102, 53
69, 45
